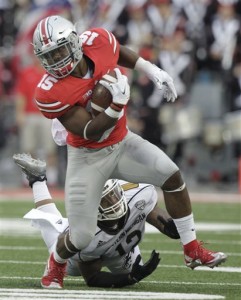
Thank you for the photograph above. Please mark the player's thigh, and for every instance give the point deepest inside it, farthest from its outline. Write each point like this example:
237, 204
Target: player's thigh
87, 172
86, 175
142, 161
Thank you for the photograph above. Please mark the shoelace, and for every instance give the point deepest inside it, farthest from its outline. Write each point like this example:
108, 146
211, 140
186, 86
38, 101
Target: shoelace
58, 272
202, 253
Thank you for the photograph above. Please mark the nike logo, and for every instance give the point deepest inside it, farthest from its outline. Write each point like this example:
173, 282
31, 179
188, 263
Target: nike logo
124, 91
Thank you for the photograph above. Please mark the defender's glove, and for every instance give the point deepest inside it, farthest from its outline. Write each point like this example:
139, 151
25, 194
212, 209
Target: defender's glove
120, 90
170, 228
139, 272
161, 79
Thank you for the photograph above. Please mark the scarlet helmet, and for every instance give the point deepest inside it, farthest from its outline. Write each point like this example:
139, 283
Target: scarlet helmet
57, 45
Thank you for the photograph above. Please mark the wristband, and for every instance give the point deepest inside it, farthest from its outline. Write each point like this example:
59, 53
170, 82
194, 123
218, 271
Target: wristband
112, 113
116, 107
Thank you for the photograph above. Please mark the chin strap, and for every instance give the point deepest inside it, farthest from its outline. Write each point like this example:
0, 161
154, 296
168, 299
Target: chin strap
181, 188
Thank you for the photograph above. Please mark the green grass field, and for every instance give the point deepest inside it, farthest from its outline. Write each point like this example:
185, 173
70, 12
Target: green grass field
23, 257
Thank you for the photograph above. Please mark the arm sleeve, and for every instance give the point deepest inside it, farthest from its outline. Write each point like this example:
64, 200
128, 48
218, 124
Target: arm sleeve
108, 280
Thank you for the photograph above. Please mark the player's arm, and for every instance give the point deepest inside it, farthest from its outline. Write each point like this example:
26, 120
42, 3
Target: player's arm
78, 121
160, 219
94, 277
127, 57
162, 80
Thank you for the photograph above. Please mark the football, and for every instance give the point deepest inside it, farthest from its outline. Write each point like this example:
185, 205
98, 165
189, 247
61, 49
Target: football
101, 97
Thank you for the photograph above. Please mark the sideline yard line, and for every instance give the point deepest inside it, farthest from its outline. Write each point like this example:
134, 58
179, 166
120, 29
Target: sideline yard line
218, 242
144, 281
204, 226
31, 248
219, 269
16, 226
101, 295
181, 252
14, 248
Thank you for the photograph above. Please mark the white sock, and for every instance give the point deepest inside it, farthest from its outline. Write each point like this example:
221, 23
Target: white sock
58, 258
40, 191
186, 229
50, 208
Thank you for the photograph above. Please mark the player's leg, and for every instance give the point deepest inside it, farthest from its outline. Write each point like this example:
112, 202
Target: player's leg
142, 161
86, 175
83, 190
35, 171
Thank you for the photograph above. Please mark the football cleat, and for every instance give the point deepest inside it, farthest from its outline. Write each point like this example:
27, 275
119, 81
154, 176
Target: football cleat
200, 256
35, 169
54, 274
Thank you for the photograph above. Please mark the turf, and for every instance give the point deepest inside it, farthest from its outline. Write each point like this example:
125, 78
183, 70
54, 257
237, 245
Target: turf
22, 258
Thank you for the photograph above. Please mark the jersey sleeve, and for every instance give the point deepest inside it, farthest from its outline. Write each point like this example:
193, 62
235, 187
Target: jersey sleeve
142, 196
102, 47
52, 109
48, 97
149, 194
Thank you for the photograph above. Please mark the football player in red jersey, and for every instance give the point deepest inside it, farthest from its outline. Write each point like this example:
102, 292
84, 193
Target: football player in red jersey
102, 147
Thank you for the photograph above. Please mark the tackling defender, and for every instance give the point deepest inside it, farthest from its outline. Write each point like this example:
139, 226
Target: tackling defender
123, 211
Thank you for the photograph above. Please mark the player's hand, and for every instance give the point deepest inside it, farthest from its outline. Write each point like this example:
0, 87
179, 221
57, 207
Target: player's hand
170, 229
164, 82
120, 90
139, 272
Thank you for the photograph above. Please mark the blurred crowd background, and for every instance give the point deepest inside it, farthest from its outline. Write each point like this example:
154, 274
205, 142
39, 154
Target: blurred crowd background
198, 42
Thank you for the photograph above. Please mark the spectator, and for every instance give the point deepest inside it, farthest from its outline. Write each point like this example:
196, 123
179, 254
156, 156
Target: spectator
222, 36
138, 27
164, 16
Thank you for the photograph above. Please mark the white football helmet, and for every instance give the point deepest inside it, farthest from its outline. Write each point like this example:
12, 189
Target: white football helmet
57, 45
113, 203
113, 209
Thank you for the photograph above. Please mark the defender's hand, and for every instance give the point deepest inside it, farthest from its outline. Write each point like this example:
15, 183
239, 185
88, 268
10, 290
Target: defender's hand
120, 90
139, 272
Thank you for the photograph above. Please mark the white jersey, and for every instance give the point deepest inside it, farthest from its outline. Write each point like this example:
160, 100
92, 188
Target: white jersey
141, 199
118, 252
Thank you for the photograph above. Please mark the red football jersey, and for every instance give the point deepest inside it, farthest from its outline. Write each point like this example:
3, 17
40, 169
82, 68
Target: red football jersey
55, 96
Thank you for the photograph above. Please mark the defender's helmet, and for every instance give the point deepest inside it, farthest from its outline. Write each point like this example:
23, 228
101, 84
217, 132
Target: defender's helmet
113, 208
57, 45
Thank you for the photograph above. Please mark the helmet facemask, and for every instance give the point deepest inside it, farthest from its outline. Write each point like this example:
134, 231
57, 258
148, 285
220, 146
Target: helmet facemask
113, 208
